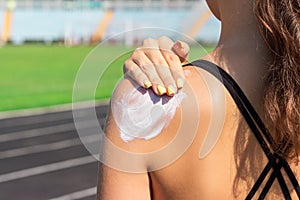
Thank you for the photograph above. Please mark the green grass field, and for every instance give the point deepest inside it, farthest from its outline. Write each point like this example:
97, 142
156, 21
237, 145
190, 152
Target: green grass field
39, 76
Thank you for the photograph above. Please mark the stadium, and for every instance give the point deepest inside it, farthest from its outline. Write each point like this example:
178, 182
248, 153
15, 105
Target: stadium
82, 22
46, 27
43, 43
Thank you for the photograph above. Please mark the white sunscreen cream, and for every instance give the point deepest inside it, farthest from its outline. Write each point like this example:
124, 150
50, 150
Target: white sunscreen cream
141, 114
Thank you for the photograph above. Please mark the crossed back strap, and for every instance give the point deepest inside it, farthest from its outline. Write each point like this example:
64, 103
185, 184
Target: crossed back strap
259, 130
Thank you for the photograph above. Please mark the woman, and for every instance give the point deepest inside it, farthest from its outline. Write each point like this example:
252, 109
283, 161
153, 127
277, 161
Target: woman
259, 48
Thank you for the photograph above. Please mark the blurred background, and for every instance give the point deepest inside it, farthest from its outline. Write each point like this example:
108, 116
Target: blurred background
43, 43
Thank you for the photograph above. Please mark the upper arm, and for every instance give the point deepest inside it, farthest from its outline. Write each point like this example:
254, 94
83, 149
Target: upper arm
115, 181
115, 185
134, 130
127, 162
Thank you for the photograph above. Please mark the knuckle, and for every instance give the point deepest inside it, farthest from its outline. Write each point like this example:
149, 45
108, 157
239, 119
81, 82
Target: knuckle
148, 41
136, 53
145, 67
139, 76
164, 38
127, 63
158, 59
128, 68
134, 73
172, 57
161, 63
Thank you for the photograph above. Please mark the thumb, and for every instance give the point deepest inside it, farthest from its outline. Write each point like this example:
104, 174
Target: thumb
182, 50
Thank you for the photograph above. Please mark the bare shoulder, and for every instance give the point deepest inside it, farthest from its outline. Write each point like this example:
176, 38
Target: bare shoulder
141, 122
140, 126
138, 117
208, 90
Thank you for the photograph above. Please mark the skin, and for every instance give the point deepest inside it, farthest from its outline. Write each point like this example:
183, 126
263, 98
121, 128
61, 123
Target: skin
243, 54
159, 63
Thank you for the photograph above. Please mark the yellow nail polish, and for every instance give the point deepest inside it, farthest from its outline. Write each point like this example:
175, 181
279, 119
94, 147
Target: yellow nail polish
161, 90
171, 90
147, 84
181, 45
179, 83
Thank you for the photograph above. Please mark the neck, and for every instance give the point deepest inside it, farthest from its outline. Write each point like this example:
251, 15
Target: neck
240, 35
241, 50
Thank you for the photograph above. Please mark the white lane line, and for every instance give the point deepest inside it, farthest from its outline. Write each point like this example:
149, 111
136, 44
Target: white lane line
46, 168
78, 195
36, 132
43, 131
47, 147
53, 109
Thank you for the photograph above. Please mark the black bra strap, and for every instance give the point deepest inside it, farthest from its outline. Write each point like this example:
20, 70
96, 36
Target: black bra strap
259, 130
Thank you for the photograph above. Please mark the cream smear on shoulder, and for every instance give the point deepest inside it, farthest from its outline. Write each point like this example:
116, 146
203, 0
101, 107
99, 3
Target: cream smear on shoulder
141, 114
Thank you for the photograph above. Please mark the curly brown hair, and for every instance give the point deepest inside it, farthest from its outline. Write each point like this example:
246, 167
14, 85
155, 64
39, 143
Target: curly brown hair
279, 24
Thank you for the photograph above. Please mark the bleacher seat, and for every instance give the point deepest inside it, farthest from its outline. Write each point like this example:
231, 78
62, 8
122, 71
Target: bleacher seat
49, 25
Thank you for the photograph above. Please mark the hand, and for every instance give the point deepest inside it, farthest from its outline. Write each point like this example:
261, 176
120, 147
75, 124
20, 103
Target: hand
158, 63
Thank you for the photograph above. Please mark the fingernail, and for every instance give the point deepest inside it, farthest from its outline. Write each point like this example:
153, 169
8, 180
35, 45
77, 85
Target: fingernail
180, 44
179, 83
147, 84
171, 90
161, 90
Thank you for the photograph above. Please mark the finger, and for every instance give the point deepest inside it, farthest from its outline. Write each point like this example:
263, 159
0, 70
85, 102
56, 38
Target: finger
175, 66
150, 43
181, 49
161, 65
162, 69
148, 68
133, 71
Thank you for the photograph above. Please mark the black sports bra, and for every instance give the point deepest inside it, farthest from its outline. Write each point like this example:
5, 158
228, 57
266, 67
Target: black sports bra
261, 133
